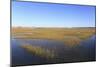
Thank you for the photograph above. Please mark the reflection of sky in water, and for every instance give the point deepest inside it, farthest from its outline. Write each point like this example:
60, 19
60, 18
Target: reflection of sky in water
84, 52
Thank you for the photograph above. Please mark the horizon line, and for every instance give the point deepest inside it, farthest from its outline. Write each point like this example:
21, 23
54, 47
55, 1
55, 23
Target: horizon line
52, 27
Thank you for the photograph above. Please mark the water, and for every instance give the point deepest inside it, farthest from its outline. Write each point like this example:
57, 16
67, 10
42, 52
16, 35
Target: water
83, 52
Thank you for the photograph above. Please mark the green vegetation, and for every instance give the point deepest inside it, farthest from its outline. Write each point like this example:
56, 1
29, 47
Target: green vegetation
38, 51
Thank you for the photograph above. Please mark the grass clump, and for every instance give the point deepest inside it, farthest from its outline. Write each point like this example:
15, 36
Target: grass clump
72, 41
39, 51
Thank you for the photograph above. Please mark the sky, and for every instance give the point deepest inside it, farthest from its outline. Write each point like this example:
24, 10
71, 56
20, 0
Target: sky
32, 14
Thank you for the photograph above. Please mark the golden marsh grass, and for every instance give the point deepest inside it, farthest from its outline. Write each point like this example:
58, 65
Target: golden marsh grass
38, 51
71, 36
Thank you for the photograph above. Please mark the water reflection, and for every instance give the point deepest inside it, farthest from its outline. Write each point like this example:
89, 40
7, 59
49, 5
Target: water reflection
83, 52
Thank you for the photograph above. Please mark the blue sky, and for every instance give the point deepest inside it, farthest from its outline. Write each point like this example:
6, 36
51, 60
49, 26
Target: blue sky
52, 15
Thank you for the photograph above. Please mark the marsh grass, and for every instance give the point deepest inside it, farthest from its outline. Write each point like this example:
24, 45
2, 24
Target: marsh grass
71, 36
39, 51
72, 41
52, 33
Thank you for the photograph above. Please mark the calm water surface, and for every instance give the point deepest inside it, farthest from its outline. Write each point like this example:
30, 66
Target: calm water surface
83, 52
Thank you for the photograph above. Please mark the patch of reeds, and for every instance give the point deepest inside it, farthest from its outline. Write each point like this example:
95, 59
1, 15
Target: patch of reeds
72, 41
39, 51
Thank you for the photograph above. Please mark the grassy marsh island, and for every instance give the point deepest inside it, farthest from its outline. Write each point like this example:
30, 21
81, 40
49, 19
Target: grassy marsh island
38, 51
71, 36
